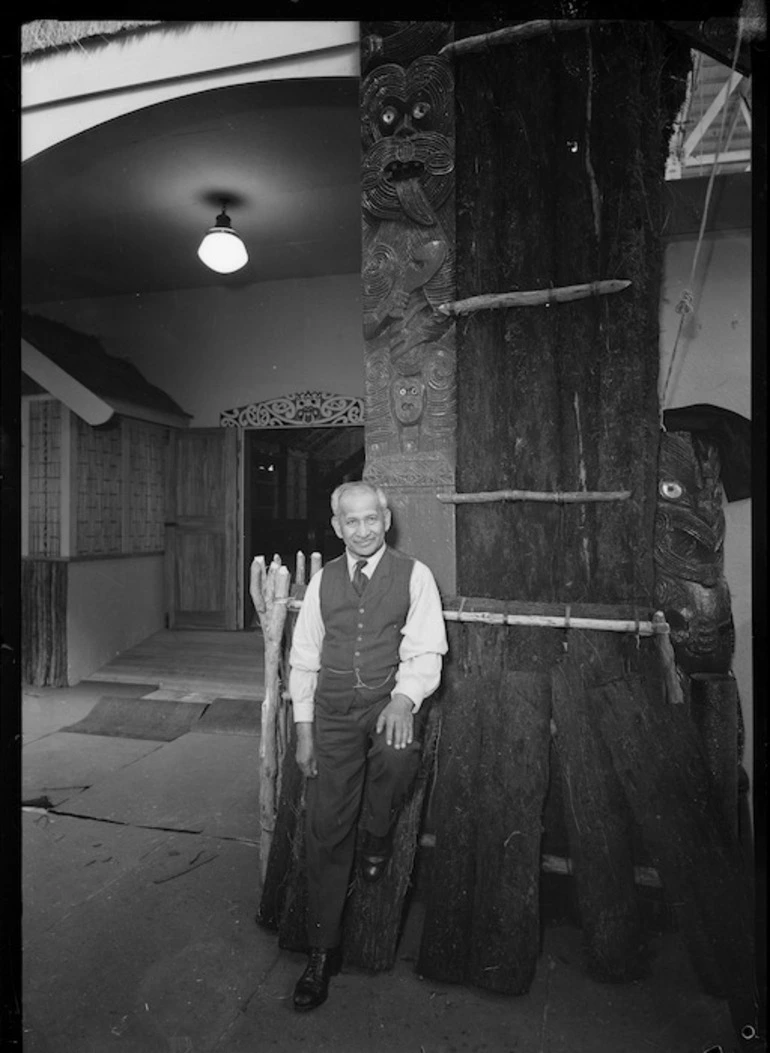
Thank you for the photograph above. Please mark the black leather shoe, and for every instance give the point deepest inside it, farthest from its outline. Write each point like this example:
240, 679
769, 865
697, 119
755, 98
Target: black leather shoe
375, 855
313, 986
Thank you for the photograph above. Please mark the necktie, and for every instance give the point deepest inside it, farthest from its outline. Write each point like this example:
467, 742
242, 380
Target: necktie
359, 578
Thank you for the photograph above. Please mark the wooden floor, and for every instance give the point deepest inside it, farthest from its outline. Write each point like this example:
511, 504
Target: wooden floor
210, 662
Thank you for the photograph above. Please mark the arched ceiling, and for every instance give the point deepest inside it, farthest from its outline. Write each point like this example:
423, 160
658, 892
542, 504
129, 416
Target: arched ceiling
121, 208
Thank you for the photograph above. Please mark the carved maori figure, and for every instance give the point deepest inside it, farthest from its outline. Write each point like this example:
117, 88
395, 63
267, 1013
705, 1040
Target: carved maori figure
408, 267
703, 453
689, 537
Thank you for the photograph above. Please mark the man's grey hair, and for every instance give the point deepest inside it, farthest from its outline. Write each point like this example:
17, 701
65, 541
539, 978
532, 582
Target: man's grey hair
357, 485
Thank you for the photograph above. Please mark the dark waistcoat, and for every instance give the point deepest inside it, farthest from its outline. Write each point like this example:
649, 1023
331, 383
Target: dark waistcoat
362, 633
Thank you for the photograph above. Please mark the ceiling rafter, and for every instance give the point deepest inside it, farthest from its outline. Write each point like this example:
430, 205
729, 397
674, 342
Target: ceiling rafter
714, 123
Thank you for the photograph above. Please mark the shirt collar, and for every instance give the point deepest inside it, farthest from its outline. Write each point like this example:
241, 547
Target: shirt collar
371, 564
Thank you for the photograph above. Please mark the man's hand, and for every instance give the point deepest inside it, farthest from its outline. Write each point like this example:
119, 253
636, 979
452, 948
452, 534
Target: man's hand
305, 750
397, 722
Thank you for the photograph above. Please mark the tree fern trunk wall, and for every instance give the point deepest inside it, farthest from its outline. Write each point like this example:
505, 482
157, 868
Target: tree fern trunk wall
561, 146
561, 142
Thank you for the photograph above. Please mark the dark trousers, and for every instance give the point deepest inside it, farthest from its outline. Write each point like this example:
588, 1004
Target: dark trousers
358, 775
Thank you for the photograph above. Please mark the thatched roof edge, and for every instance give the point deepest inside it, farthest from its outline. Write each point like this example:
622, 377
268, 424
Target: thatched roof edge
50, 34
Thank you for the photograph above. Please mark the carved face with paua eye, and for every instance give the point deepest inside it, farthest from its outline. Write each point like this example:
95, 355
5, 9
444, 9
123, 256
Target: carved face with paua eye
690, 587
408, 395
408, 166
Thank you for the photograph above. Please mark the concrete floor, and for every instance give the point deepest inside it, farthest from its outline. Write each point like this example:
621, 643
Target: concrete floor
140, 887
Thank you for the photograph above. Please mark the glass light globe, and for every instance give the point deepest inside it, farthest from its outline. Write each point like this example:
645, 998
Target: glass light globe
223, 251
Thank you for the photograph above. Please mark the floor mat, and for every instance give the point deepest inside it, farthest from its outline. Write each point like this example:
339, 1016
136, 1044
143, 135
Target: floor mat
232, 716
139, 718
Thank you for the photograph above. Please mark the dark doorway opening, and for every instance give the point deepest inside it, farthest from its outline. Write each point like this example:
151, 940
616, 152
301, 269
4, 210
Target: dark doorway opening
289, 474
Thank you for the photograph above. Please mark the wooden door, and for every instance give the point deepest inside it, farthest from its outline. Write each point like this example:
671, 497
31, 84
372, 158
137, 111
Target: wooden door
203, 579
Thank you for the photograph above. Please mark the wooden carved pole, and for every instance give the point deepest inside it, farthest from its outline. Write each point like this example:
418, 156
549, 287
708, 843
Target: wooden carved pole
269, 591
407, 120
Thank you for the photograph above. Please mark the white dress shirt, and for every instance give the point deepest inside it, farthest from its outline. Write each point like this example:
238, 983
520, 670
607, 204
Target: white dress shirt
423, 640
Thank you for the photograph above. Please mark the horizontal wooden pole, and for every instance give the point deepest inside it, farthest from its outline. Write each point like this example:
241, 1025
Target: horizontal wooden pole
637, 626
556, 621
554, 496
533, 297
628, 611
514, 34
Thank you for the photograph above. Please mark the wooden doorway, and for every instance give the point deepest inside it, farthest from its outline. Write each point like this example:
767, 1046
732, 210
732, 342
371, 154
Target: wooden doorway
204, 589
289, 474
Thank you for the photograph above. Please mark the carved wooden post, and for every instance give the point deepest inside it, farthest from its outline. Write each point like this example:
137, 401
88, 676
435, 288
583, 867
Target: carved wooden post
407, 114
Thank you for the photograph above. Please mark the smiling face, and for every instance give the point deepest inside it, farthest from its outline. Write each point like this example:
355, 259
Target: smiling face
361, 523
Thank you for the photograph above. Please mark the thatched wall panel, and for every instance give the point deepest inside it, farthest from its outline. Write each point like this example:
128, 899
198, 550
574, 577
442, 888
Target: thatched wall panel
99, 489
45, 419
146, 497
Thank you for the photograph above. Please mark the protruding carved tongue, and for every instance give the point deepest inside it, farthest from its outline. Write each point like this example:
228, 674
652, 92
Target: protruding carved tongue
414, 202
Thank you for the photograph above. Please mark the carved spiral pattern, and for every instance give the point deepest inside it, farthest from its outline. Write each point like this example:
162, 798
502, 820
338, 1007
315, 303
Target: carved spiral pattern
378, 379
380, 272
385, 198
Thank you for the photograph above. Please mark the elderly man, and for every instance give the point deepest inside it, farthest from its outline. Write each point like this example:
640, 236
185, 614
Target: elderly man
366, 653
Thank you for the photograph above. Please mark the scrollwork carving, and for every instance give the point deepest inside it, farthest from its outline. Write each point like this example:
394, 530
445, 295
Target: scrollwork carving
304, 409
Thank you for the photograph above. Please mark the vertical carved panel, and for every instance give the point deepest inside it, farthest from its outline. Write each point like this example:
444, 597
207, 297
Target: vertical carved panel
407, 115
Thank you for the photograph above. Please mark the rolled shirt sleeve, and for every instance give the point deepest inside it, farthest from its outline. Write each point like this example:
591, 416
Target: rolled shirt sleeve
423, 639
305, 653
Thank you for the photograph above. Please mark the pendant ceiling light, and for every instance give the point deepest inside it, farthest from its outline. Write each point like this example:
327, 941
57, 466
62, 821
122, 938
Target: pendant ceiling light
222, 249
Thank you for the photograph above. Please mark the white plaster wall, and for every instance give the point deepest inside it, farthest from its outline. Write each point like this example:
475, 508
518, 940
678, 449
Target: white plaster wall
713, 359
713, 365
216, 348
112, 604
